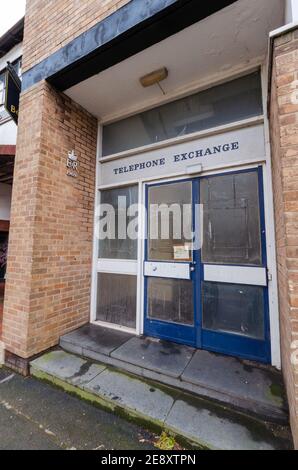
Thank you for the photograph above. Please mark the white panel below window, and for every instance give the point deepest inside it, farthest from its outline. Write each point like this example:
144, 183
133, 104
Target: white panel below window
117, 266
168, 270
236, 275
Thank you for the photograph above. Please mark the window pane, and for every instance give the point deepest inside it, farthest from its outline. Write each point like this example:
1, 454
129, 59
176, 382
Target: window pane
231, 221
118, 244
116, 299
233, 101
2, 88
232, 308
170, 300
170, 222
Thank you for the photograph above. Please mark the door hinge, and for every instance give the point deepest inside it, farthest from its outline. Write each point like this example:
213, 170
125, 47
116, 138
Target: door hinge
269, 275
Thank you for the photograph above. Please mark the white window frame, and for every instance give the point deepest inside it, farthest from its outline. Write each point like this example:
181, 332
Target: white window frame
268, 204
111, 266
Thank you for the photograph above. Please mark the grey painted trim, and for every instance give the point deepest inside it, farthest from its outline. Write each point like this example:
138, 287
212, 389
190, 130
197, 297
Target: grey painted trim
136, 26
127, 17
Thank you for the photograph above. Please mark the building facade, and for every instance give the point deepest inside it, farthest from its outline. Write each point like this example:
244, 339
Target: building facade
10, 51
162, 103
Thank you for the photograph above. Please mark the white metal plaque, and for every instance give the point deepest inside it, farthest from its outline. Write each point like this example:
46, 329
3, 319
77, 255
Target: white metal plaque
236, 275
168, 270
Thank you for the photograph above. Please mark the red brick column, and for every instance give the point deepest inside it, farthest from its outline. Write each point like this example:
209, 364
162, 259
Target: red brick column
284, 141
50, 250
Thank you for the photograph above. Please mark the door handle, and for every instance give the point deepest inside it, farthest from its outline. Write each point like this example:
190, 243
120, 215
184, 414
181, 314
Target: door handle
193, 267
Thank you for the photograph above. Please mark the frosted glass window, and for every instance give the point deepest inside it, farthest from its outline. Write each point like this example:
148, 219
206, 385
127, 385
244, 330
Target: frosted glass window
177, 198
232, 101
232, 308
231, 214
116, 299
117, 245
170, 300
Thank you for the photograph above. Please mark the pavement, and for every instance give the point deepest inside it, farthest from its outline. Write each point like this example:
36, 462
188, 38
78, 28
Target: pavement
201, 423
38, 416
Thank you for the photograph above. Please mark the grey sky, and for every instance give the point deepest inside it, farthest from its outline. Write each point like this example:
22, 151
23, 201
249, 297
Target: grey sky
11, 12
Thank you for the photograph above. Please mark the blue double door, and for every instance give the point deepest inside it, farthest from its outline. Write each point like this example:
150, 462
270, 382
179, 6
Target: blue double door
205, 265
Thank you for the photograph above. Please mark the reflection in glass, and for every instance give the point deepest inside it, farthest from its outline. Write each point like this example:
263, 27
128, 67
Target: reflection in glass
170, 300
116, 299
232, 101
169, 229
125, 247
231, 308
231, 227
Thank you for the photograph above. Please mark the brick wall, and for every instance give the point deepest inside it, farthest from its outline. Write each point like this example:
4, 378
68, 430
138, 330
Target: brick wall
51, 24
284, 141
49, 261
50, 250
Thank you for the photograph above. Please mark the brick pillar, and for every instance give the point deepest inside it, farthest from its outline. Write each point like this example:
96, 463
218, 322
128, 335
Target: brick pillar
284, 141
50, 249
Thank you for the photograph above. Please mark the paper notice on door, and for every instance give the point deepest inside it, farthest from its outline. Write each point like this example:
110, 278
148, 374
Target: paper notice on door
182, 252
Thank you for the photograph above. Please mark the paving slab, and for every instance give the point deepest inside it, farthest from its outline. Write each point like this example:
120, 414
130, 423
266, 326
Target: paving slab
201, 422
133, 393
160, 356
73, 369
236, 378
95, 338
219, 429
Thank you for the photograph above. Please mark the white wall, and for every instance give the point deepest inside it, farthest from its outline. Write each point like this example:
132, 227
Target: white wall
8, 133
5, 201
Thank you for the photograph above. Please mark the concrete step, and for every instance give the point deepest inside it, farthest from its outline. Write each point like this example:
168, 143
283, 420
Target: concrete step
198, 422
243, 386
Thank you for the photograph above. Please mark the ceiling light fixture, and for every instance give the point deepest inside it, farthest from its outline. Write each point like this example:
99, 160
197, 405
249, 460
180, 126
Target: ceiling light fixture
154, 78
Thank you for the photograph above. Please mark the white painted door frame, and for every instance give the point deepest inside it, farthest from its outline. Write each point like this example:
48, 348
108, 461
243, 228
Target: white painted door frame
270, 234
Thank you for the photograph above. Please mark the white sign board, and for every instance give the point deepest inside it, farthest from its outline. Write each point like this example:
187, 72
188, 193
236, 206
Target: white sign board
217, 150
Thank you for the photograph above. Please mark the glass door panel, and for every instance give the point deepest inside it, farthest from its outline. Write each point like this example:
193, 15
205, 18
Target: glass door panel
233, 308
169, 279
170, 222
231, 231
171, 300
234, 294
